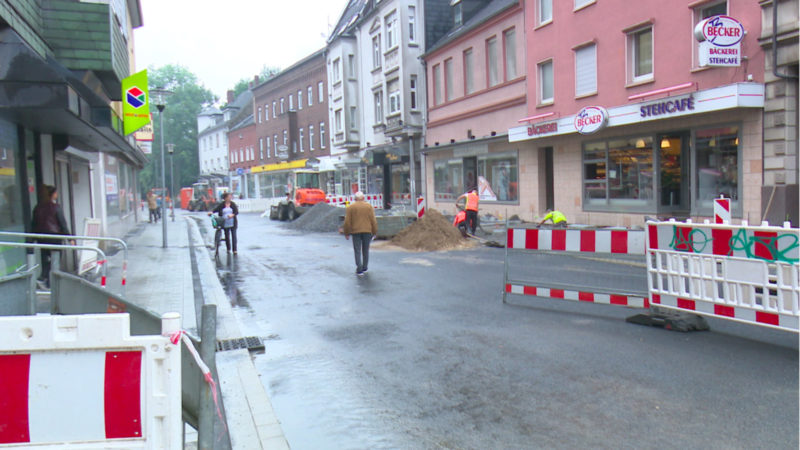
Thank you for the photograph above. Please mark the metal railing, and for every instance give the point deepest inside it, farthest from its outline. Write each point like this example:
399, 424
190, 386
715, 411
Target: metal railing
64, 237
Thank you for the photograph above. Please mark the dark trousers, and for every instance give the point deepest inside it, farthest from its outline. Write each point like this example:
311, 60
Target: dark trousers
361, 250
472, 220
153, 215
230, 238
46, 261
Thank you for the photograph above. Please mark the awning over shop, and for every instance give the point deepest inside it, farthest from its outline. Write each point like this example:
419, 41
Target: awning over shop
310, 163
385, 154
46, 97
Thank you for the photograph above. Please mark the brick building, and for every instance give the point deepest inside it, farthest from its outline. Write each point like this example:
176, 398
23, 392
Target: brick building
290, 114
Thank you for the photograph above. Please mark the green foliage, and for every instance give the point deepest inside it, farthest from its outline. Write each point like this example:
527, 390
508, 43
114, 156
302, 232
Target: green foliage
266, 73
180, 122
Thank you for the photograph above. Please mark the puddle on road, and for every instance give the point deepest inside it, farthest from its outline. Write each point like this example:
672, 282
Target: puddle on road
229, 278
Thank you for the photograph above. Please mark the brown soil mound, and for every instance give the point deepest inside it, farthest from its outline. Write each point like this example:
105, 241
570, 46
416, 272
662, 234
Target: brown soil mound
431, 233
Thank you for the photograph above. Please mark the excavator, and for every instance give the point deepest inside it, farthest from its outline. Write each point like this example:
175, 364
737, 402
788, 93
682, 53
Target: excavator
302, 192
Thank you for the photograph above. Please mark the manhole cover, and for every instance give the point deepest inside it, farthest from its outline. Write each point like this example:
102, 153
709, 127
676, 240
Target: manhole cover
249, 342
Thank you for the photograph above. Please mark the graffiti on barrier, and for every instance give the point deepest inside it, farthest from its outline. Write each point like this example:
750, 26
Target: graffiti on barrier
773, 247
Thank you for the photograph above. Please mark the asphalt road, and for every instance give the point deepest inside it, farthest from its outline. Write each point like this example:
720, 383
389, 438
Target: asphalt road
422, 353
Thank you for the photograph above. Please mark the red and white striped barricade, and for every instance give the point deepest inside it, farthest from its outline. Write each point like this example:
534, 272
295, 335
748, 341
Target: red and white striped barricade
740, 273
420, 207
590, 241
84, 382
722, 210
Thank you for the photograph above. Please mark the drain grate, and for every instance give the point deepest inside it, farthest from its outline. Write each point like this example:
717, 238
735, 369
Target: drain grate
250, 343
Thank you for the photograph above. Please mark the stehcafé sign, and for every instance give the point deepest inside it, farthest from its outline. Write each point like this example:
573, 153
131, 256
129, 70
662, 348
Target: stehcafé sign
720, 40
591, 119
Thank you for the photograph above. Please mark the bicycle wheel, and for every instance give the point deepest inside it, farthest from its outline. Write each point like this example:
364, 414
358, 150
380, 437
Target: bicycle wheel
217, 239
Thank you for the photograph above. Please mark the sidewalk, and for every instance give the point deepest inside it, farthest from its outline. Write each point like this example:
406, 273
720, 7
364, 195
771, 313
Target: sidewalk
161, 280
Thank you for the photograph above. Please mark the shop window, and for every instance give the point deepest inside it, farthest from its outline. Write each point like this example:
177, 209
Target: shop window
717, 162
497, 178
619, 174
448, 179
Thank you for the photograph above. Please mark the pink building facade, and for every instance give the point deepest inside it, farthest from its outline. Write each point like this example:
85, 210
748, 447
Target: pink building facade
623, 119
476, 90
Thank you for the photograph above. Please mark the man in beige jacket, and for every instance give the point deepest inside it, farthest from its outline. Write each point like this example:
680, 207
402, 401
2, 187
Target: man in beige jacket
359, 222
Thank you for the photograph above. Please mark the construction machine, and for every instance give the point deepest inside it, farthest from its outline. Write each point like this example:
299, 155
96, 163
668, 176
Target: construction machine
302, 192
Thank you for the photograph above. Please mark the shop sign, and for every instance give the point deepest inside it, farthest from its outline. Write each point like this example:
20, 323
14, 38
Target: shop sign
542, 129
720, 40
591, 119
667, 107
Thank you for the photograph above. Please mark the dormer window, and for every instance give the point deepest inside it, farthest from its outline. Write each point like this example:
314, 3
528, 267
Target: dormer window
458, 15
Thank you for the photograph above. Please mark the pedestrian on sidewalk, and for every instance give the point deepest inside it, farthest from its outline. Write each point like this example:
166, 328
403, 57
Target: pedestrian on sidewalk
471, 208
48, 218
228, 210
152, 206
360, 222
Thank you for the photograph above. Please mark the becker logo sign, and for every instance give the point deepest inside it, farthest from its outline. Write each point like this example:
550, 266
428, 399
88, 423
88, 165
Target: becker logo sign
721, 31
591, 119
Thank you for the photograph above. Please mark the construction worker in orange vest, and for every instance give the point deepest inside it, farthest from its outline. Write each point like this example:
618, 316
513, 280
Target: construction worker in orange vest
471, 208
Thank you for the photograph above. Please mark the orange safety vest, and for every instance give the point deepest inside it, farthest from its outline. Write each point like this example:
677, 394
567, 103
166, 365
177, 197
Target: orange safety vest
472, 201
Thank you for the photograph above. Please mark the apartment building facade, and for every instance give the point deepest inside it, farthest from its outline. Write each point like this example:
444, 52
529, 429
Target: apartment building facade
290, 114
624, 120
476, 91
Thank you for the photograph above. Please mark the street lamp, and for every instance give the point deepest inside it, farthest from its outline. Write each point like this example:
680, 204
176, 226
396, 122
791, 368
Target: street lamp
158, 97
171, 150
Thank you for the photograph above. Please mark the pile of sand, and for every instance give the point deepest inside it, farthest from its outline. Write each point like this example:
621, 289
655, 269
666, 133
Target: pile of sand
321, 217
431, 233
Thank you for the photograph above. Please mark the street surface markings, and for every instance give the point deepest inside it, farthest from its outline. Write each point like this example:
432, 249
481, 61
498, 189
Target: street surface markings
417, 261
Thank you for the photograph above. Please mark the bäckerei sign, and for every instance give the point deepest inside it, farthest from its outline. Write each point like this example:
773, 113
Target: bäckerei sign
720, 41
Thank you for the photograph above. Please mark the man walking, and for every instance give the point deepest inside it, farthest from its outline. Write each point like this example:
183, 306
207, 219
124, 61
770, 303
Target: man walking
359, 222
152, 205
471, 208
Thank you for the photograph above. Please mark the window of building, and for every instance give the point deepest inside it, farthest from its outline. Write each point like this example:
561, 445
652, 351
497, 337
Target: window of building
545, 70
322, 135
337, 120
394, 97
302, 139
412, 88
491, 61
353, 118
586, 70
261, 148
320, 92
376, 51
259, 114
336, 70
700, 13
351, 66
469, 68
391, 30
619, 173
275, 141
438, 95
300, 99
412, 24
311, 138
449, 87
310, 95
269, 144
266, 112
285, 138
581, 3
448, 176
640, 55
458, 13
545, 12
510, 53
274, 112
291, 102
282, 106
377, 100
500, 173
717, 162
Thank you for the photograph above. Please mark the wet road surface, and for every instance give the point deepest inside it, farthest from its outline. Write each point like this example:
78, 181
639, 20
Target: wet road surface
421, 353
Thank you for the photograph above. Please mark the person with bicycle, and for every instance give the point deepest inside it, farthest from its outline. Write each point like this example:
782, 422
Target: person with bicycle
229, 212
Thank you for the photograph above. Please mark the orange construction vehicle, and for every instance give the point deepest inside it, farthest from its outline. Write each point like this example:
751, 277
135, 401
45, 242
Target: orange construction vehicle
202, 197
302, 192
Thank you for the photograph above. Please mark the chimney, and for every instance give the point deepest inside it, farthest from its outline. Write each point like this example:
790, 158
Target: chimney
255, 80
230, 96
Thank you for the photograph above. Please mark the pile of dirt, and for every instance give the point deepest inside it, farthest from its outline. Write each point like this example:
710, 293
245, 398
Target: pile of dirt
321, 217
431, 233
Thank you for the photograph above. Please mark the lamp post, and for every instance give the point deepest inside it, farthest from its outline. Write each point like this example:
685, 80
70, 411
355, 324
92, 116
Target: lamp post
171, 150
158, 97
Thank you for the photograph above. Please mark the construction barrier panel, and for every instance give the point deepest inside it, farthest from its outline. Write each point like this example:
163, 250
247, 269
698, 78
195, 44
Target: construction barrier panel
376, 200
520, 241
85, 382
748, 274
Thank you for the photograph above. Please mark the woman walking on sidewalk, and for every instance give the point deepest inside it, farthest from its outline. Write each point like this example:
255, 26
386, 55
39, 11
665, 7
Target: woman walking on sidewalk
228, 210
48, 219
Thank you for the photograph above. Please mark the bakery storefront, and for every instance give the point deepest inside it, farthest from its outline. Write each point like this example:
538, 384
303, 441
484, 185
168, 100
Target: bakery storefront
667, 157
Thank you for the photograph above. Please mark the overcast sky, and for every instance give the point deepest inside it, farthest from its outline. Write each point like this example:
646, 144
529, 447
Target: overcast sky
224, 41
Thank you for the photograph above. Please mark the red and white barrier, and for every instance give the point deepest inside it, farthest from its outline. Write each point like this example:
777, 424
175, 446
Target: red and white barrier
376, 200
722, 210
629, 242
84, 382
420, 207
579, 296
739, 273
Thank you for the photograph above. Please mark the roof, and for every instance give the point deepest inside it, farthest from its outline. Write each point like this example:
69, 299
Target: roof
489, 11
246, 122
348, 18
210, 111
283, 72
241, 100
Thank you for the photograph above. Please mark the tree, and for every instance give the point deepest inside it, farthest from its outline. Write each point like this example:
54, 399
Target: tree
180, 121
244, 83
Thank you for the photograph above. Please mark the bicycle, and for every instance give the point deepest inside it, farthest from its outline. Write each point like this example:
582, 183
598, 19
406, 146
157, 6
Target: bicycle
219, 234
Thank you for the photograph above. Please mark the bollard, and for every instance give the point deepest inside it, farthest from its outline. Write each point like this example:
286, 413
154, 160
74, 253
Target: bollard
31, 258
208, 341
55, 265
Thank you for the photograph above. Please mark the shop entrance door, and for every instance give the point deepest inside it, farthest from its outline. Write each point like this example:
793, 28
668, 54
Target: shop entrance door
673, 158
549, 194
470, 173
